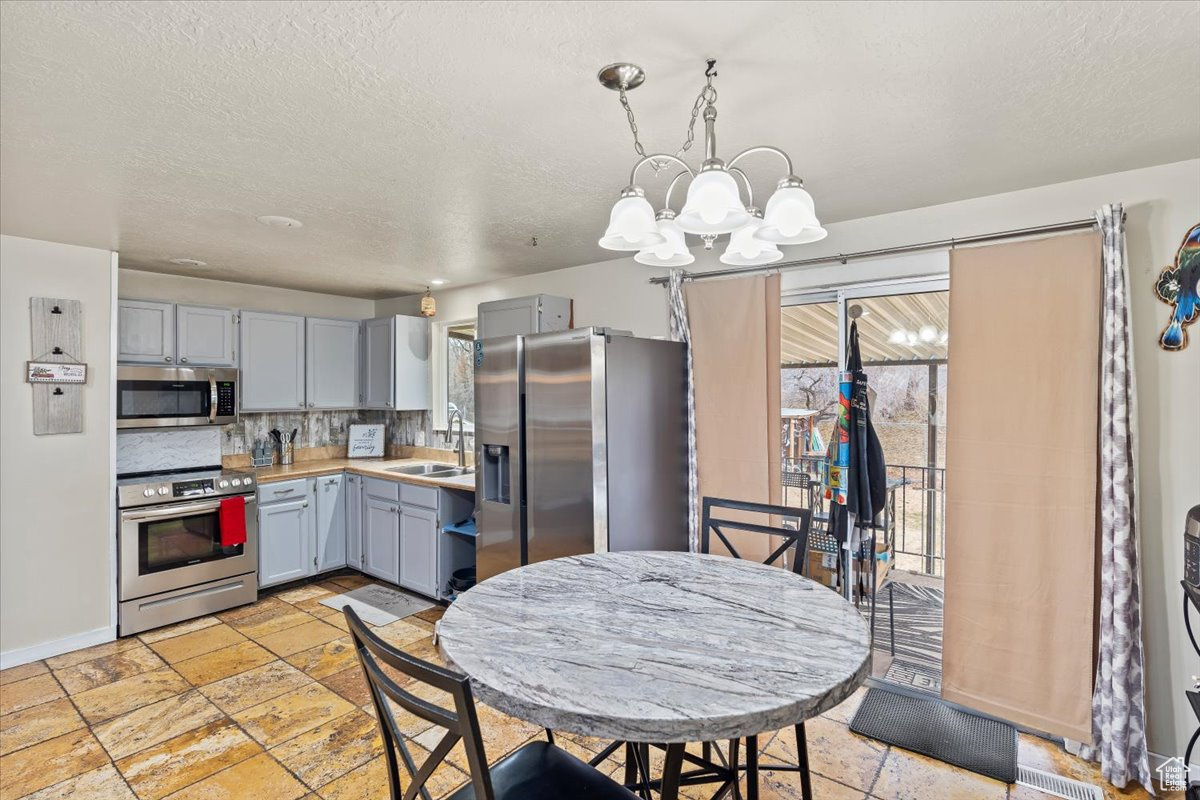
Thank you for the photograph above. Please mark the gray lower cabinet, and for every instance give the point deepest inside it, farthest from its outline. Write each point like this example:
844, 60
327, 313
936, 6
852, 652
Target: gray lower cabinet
330, 534
284, 540
354, 521
332, 363
205, 336
419, 549
381, 539
272, 361
145, 332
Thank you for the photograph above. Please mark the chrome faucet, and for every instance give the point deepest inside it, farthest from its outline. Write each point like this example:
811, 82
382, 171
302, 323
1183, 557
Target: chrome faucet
461, 449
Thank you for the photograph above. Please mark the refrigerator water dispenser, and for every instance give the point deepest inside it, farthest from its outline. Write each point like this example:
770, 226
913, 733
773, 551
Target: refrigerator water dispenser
496, 474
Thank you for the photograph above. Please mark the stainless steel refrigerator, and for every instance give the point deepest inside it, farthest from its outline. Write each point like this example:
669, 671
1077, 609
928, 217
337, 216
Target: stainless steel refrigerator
580, 446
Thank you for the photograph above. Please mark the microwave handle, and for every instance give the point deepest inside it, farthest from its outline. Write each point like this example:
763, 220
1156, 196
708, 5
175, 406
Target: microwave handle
212, 399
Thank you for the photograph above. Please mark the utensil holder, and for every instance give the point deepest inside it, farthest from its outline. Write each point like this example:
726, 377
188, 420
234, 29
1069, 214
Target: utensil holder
286, 452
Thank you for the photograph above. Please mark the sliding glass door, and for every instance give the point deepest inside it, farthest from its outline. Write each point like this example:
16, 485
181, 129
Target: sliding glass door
903, 340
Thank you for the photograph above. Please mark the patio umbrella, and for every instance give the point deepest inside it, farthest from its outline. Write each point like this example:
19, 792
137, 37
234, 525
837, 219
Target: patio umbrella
865, 485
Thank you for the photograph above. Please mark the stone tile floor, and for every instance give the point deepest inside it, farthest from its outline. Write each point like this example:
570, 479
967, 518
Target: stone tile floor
267, 702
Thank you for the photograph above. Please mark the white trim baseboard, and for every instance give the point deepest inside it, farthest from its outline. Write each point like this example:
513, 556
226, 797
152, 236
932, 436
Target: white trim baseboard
24, 655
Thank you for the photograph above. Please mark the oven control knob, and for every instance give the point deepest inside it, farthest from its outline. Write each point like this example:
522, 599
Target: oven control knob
222, 484
148, 493
162, 490
237, 481
247, 481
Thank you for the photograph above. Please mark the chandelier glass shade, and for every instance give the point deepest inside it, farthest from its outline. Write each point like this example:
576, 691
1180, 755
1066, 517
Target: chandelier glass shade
673, 252
714, 205
791, 218
631, 226
745, 249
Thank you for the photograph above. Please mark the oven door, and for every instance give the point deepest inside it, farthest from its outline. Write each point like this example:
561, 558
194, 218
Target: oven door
155, 397
178, 545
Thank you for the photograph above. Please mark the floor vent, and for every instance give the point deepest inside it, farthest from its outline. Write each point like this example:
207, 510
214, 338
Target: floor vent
1057, 785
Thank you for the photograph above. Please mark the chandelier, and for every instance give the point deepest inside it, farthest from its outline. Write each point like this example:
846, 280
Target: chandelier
713, 205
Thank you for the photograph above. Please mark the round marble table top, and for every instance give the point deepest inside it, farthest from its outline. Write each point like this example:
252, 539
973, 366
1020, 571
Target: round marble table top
656, 647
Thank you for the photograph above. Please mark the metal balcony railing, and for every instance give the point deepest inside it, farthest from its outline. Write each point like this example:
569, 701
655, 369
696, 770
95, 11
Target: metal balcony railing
920, 518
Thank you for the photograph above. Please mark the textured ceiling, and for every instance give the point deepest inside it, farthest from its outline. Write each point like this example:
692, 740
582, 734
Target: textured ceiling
419, 140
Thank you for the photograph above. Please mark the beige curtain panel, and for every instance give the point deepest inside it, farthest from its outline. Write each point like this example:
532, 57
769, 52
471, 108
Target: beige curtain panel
735, 350
1021, 477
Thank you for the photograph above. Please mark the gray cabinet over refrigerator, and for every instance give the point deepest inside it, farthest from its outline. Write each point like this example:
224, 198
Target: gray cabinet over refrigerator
580, 446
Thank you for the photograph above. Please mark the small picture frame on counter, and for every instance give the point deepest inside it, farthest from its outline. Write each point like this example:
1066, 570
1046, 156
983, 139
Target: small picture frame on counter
366, 441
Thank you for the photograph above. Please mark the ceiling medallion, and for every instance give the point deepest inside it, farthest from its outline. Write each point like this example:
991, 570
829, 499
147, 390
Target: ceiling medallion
713, 205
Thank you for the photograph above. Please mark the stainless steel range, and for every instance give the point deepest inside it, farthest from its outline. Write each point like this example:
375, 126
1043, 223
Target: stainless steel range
174, 560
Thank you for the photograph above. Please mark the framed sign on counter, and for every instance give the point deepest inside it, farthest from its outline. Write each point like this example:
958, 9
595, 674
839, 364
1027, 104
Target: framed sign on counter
366, 441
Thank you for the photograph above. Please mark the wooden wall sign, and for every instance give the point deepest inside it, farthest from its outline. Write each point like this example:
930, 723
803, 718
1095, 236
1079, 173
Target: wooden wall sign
55, 373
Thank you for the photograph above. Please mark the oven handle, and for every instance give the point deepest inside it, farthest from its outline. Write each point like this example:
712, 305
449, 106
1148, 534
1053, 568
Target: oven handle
176, 511
212, 399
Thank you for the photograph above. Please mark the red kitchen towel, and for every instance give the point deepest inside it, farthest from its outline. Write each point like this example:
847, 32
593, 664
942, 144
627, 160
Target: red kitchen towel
233, 521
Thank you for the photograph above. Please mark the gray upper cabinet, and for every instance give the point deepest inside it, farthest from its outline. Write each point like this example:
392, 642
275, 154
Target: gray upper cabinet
145, 332
377, 362
332, 363
412, 363
538, 313
395, 363
205, 336
272, 347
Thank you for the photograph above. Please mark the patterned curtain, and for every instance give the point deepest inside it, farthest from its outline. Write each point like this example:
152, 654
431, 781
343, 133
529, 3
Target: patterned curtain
681, 333
1118, 706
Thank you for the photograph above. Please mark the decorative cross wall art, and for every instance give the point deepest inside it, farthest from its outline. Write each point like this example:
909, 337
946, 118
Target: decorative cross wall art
1179, 286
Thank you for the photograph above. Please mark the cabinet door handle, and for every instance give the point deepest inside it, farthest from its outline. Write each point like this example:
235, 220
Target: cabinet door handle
304, 504
314, 561
183, 360
167, 359
284, 491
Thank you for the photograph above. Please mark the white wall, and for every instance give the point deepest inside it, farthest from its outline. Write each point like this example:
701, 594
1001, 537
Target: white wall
139, 285
56, 512
1162, 203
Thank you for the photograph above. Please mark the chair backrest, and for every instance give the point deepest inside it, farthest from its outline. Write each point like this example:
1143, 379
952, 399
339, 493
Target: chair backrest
461, 723
797, 537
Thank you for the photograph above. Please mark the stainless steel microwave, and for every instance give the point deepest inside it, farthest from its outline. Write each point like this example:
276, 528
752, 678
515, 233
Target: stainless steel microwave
173, 397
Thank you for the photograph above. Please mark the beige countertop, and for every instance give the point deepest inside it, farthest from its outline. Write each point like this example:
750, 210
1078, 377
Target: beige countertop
372, 467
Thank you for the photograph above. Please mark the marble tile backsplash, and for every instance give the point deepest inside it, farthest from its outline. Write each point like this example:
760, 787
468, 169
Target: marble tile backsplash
169, 448
325, 428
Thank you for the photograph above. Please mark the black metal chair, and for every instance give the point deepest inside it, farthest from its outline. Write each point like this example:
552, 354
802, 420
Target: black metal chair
536, 771
796, 538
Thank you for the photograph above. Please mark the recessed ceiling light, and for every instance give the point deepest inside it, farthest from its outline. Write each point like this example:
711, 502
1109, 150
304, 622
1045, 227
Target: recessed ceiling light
280, 222
189, 262
438, 281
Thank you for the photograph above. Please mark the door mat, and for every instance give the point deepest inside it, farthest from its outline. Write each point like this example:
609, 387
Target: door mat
934, 729
378, 605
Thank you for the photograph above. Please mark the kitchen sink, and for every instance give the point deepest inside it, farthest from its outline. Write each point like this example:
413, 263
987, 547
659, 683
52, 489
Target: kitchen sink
421, 469
452, 472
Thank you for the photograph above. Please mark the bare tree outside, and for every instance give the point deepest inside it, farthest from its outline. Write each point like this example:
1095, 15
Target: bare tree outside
460, 372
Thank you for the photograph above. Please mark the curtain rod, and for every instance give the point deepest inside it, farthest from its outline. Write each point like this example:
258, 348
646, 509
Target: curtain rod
842, 258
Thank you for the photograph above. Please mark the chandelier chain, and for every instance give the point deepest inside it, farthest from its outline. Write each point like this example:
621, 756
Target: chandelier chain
707, 96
